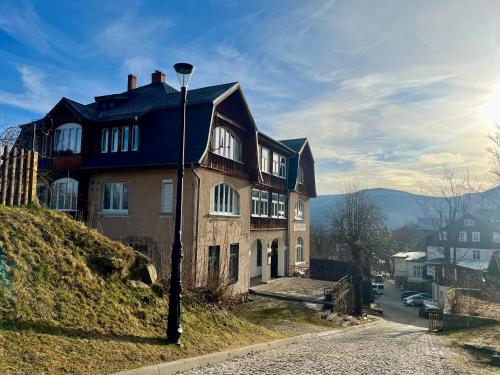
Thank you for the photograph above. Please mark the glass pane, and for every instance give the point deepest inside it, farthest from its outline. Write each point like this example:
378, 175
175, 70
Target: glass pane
78, 140
135, 137
125, 197
125, 131
57, 140
216, 197
226, 198
116, 196
106, 205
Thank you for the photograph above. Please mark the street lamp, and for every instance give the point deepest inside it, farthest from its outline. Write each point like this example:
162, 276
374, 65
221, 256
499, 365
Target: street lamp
174, 326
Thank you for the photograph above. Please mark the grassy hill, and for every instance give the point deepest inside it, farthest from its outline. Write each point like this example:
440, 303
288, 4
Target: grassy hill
67, 306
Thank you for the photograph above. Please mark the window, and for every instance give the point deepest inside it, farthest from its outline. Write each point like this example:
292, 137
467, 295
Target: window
264, 159
417, 271
125, 131
264, 203
476, 236
462, 236
469, 222
68, 137
274, 205
276, 164
281, 206
213, 262
282, 167
41, 194
443, 235
259, 253
64, 194
496, 237
45, 145
299, 247
300, 175
104, 140
225, 200
226, 144
114, 140
255, 202
167, 197
299, 210
476, 254
115, 197
135, 137
234, 251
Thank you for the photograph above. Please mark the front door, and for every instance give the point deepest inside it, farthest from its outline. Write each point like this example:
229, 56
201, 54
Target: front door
274, 259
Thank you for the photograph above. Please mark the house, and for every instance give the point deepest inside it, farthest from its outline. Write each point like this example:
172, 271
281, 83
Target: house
459, 254
409, 270
246, 199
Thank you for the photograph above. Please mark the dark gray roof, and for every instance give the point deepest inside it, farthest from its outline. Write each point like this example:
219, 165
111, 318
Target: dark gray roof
295, 144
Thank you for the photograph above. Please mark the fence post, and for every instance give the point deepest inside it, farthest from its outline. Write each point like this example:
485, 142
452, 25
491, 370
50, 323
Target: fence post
5, 174
20, 175
12, 182
27, 169
33, 178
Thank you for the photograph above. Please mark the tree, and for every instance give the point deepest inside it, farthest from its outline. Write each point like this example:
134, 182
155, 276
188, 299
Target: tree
357, 223
322, 245
494, 150
409, 237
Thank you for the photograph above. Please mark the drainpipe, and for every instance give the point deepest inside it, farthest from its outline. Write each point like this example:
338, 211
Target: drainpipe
287, 256
197, 213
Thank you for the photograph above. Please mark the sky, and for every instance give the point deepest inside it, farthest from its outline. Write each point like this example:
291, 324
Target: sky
387, 92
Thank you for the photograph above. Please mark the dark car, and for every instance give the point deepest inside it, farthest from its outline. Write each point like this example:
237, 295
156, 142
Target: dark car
429, 307
408, 293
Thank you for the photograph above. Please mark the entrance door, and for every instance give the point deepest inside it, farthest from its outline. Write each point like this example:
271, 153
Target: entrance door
274, 259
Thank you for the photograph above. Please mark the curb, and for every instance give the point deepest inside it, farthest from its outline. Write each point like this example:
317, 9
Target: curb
186, 364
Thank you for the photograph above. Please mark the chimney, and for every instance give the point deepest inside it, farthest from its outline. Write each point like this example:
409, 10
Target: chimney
157, 77
132, 82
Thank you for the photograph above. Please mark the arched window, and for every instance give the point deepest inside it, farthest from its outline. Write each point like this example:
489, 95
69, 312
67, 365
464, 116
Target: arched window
225, 200
68, 137
299, 247
225, 143
299, 210
64, 194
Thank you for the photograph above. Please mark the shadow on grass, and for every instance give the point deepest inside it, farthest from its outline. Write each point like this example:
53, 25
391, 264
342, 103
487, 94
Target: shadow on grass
49, 328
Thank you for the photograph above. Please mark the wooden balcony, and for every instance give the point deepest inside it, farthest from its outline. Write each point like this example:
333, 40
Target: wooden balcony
66, 162
225, 165
263, 223
273, 181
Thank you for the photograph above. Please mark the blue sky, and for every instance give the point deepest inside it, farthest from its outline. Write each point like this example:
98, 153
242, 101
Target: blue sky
388, 92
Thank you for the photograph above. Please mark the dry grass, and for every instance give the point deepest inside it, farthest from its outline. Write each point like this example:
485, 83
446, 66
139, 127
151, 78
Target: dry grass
61, 312
487, 335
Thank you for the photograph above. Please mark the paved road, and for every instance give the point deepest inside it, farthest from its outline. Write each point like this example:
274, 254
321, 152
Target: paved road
385, 347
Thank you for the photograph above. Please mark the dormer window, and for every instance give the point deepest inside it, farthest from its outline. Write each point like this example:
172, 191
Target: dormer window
68, 137
469, 222
225, 143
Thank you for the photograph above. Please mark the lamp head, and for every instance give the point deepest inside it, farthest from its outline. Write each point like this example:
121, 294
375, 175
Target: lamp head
184, 72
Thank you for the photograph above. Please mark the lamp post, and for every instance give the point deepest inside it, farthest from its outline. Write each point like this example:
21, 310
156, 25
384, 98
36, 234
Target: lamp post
174, 326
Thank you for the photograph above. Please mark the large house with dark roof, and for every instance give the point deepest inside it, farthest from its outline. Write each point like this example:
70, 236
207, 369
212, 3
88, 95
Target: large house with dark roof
113, 162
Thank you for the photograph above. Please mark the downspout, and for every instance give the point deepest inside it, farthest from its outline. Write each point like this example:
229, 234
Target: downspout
197, 213
289, 234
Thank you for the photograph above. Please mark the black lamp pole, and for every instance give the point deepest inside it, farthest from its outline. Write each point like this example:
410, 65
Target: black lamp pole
174, 326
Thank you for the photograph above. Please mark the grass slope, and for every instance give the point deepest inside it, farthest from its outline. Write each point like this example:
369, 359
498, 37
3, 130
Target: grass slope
60, 314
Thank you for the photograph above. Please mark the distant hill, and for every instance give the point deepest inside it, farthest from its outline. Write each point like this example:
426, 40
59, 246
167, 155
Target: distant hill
399, 206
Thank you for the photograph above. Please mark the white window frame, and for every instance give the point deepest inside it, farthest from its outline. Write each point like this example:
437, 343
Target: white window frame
417, 271
121, 188
468, 222
299, 210
115, 139
282, 206
226, 144
135, 138
299, 250
300, 175
264, 203
476, 254
68, 137
264, 154
443, 235
476, 236
276, 164
462, 236
225, 200
125, 142
167, 207
282, 172
71, 197
255, 202
274, 205
104, 141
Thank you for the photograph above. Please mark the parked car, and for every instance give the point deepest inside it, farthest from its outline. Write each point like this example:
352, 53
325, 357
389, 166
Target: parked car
429, 307
416, 299
408, 293
378, 288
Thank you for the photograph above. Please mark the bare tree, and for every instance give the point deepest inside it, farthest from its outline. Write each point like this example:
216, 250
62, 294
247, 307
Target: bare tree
494, 150
357, 223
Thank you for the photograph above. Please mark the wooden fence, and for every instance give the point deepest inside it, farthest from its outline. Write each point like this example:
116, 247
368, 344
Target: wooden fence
18, 176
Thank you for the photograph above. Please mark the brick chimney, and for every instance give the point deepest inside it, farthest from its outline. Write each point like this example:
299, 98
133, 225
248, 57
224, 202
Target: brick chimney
132, 82
157, 76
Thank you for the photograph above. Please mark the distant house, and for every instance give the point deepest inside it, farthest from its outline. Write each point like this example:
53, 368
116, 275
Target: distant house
409, 269
493, 271
460, 253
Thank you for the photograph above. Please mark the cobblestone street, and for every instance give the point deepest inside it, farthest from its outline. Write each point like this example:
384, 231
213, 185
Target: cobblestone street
380, 348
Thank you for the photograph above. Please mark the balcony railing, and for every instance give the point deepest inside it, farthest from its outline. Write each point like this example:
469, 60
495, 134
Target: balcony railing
273, 181
268, 223
66, 162
228, 166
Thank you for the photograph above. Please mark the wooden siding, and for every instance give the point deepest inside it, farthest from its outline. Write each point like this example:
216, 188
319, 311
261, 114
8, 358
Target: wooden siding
259, 223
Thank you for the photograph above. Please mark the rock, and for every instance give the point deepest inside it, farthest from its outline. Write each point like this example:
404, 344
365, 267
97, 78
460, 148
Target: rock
106, 265
136, 284
158, 290
142, 269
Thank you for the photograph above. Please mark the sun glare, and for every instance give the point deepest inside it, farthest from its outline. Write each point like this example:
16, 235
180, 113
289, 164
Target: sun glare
491, 109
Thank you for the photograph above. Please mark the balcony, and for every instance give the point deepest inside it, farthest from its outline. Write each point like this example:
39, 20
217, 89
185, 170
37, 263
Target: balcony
66, 162
273, 181
225, 165
263, 223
